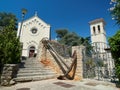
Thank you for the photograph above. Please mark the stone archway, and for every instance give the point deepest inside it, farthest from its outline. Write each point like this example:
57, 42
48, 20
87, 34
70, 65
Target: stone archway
31, 51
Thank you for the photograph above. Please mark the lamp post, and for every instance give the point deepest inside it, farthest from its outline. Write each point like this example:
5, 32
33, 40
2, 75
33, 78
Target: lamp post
24, 11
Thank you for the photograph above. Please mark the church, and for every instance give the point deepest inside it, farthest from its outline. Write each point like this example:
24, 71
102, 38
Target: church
31, 32
34, 29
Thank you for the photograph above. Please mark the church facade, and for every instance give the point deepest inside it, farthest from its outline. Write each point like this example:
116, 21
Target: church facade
30, 33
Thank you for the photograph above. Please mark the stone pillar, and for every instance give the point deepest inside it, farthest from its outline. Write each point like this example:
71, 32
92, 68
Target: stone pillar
40, 48
8, 73
79, 69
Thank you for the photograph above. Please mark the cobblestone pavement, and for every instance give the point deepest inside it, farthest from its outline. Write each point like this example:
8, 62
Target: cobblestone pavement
54, 84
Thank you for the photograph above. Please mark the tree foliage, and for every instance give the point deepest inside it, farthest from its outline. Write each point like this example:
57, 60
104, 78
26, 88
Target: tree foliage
9, 44
6, 18
115, 45
69, 38
61, 33
114, 42
115, 10
72, 39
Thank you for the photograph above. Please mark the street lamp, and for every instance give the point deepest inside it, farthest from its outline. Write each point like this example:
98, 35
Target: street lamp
24, 11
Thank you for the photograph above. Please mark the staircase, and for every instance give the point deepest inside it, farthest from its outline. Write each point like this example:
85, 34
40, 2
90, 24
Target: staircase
32, 70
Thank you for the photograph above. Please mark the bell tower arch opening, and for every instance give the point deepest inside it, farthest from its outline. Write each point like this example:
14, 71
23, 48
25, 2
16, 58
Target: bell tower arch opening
94, 31
98, 28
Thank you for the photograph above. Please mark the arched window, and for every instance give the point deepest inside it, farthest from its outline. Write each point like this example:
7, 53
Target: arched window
94, 32
98, 28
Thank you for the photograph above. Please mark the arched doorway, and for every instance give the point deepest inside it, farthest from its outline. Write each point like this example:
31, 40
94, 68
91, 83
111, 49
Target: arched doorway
31, 51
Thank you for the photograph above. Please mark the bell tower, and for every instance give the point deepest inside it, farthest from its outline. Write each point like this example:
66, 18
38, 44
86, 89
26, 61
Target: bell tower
99, 44
97, 28
98, 36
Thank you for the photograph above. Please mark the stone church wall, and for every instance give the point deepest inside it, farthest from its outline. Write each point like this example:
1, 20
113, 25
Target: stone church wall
32, 31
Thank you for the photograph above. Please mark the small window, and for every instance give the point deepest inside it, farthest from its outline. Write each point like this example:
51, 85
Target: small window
98, 28
94, 30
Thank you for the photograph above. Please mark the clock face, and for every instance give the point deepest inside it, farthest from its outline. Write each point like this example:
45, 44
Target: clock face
34, 30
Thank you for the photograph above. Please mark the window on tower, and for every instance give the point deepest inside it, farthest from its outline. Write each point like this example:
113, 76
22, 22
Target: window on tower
94, 30
98, 28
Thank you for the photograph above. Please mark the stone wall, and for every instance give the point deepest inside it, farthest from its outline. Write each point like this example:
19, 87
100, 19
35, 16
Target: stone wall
47, 57
9, 71
79, 69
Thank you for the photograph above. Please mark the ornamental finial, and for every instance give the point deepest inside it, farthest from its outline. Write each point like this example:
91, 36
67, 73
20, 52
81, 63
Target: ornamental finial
35, 13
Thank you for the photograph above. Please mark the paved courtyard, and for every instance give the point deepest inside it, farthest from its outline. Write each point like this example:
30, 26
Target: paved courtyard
54, 84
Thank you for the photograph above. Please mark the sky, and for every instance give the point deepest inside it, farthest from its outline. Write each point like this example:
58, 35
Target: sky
73, 15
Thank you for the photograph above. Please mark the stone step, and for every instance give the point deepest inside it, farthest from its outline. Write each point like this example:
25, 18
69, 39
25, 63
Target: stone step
35, 68
31, 71
33, 64
29, 62
34, 78
35, 74
31, 67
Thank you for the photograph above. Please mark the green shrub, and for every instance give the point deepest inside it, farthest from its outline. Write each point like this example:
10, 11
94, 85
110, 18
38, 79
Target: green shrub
114, 42
9, 45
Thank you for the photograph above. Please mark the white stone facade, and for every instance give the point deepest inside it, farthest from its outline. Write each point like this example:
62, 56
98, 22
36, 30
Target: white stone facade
32, 31
98, 33
99, 43
98, 36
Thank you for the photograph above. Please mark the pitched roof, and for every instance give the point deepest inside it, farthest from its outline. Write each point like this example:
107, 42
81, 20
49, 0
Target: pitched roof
35, 16
97, 21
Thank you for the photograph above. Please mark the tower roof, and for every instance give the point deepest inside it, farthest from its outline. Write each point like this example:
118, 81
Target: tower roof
97, 21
